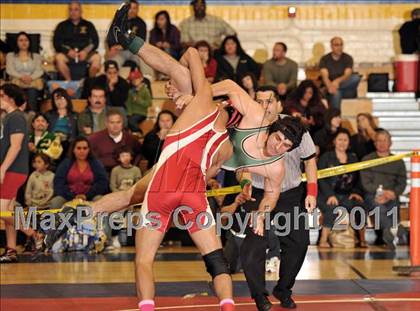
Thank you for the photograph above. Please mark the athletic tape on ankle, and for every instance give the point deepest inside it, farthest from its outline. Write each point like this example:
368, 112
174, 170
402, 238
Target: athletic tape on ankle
226, 301
136, 45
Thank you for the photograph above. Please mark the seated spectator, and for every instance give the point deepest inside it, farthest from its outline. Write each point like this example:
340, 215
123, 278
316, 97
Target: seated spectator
249, 84
410, 34
342, 190
76, 40
139, 28
384, 184
165, 35
280, 71
105, 142
362, 143
125, 174
138, 102
61, 118
203, 26
323, 138
92, 120
337, 74
305, 102
80, 176
233, 62
153, 141
4, 49
40, 139
25, 69
116, 87
209, 63
39, 188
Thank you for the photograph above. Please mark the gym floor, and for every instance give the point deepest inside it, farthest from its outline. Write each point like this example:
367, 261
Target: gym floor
330, 279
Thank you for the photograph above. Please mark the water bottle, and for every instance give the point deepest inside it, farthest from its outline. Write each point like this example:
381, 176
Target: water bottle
379, 191
76, 59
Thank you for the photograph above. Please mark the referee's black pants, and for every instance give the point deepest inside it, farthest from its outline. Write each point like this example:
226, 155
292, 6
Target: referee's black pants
293, 245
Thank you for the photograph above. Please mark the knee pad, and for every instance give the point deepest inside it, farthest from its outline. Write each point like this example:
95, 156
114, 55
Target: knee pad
216, 263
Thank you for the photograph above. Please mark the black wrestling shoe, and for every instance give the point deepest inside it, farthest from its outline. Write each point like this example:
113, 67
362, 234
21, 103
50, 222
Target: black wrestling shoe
285, 302
262, 302
118, 32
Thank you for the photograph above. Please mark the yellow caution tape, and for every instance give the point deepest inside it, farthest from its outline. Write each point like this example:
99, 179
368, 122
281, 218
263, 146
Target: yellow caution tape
324, 173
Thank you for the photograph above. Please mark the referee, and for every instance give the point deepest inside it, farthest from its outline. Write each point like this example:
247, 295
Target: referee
293, 241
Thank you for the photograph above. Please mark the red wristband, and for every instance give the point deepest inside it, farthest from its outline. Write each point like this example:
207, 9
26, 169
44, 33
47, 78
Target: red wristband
312, 189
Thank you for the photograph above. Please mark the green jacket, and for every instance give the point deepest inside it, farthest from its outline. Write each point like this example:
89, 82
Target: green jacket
138, 101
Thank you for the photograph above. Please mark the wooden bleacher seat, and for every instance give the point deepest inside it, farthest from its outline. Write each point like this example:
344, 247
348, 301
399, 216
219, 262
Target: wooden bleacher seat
147, 125
79, 105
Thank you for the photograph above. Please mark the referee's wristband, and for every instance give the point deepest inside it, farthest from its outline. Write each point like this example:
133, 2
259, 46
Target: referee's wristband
312, 189
245, 182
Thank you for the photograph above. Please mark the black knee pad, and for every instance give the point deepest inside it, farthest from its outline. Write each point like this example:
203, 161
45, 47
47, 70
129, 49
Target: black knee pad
216, 263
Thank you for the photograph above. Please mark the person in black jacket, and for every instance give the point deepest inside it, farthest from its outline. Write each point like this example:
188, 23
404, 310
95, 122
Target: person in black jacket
76, 40
232, 61
79, 176
116, 88
323, 138
343, 190
410, 34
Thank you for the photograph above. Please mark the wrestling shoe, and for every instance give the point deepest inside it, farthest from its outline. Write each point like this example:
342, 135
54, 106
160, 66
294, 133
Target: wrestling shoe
118, 32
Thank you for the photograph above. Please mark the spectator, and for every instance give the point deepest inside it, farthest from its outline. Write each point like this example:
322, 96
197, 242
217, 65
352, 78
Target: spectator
27, 113
280, 71
391, 177
25, 69
337, 74
249, 84
105, 142
305, 102
92, 119
76, 39
39, 188
125, 174
14, 159
116, 88
233, 62
209, 63
342, 190
165, 35
410, 34
202, 26
153, 141
362, 143
80, 176
4, 49
40, 138
139, 28
138, 102
323, 138
61, 118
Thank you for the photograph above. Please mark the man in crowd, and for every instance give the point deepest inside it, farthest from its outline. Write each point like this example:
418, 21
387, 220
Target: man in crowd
76, 40
337, 74
280, 71
116, 87
384, 184
93, 118
104, 143
202, 26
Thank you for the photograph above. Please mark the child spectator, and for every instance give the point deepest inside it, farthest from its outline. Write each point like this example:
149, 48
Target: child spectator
39, 188
124, 175
139, 100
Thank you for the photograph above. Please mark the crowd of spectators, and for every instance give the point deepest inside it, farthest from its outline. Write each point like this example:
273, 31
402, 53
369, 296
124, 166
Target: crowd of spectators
100, 149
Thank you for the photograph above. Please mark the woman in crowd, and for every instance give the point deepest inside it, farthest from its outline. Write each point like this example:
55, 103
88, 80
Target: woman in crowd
306, 103
233, 62
25, 69
323, 138
153, 141
209, 63
362, 143
14, 165
249, 84
165, 35
79, 176
343, 190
